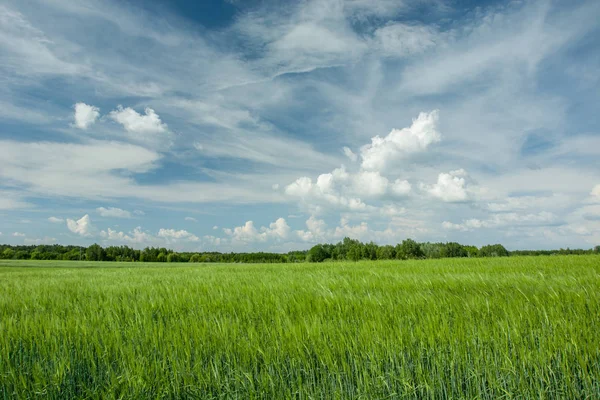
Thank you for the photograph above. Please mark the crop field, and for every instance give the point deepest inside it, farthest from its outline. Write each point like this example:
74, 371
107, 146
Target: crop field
512, 327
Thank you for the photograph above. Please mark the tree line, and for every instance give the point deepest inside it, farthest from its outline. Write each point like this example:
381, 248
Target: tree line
347, 249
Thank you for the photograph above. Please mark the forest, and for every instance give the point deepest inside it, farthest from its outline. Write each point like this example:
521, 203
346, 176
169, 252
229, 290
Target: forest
347, 249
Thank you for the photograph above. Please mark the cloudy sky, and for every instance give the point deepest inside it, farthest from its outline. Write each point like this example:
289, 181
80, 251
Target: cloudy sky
271, 125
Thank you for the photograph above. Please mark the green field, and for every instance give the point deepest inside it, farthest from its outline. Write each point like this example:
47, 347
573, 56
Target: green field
518, 327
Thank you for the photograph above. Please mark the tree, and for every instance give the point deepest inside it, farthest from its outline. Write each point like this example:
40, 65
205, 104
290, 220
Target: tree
173, 257
8, 254
493, 250
369, 251
432, 250
472, 250
387, 252
409, 249
355, 253
162, 257
453, 249
597, 249
95, 253
318, 253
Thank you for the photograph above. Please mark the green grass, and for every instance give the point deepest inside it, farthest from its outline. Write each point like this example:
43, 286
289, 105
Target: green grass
520, 327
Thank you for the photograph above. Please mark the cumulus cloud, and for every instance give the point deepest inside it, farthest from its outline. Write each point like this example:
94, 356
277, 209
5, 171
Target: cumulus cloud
140, 238
133, 122
370, 183
316, 230
191, 219
137, 236
172, 234
325, 191
213, 241
401, 142
401, 187
85, 115
278, 230
113, 212
346, 190
343, 190
56, 220
451, 187
18, 234
82, 226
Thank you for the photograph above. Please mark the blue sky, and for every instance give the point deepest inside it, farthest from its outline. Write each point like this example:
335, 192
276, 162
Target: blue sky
268, 125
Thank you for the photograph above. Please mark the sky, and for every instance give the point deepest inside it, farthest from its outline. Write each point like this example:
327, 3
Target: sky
273, 126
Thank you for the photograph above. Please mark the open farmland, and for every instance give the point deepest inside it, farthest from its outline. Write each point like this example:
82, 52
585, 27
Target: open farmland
516, 327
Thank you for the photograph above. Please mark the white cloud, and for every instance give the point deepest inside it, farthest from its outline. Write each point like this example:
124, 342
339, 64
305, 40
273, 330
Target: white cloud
316, 232
209, 240
401, 142
85, 115
483, 70
10, 200
133, 122
451, 187
584, 223
277, 231
172, 234
44, 240
506, 41
137, 236
56, 220
18, 234
191, 219
345, 190
68, 169
401, 40
503, 219
29, 49
401, 188
82, 226
327, 190
350, 154
596, 191
261, 145
370, 184
555, 201
139, 212
245, 233
396, 230
113, 212
215, 228
48, 168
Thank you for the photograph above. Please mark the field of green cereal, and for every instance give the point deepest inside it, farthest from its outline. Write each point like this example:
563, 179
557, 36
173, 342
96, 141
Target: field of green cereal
516, 327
